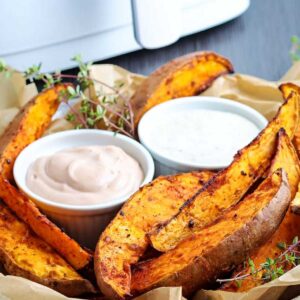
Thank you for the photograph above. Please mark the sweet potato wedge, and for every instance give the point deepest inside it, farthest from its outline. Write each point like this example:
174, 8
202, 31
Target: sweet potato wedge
27, 211
28, 126
203, 257
184, 76
287, 159
227, 187
23, 254
125, 239
287, 89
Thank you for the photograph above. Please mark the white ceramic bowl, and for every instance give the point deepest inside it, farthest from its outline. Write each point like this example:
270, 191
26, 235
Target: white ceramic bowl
83, 222
165, 165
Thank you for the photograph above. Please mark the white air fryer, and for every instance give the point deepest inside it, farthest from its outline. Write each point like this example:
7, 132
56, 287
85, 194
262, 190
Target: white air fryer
52, 31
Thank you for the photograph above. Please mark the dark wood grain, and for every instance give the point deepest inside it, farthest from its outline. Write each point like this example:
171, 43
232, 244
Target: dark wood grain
257, 43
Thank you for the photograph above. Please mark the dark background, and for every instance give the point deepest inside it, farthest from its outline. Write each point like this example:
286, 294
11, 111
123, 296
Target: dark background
257, 43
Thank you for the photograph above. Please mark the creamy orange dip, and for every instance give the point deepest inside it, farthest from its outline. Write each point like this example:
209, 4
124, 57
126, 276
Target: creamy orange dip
85, 175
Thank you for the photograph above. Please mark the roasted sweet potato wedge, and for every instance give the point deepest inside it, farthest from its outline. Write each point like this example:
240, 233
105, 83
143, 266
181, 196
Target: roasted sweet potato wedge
228, 186
287, 89
184, 76
28, 126
125, 239
287, 159
23, 254
27, 211
203, 257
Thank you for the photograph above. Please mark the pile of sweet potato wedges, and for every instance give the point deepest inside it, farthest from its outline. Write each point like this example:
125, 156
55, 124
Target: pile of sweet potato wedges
180, 230
31, 245
239, 212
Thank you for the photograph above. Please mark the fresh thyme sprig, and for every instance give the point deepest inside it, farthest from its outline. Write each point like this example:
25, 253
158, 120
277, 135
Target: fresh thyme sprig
272, 268
111, 109
295, 49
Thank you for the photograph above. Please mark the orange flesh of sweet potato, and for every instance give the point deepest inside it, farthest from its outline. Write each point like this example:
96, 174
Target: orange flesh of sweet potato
203, 257
228, 186
24, 254
287, 159
184, 76
28, 126
125, 239
286, 90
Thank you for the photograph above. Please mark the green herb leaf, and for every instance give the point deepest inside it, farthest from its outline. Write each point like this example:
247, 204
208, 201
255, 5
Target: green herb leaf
238, 283
281, 245
70, 117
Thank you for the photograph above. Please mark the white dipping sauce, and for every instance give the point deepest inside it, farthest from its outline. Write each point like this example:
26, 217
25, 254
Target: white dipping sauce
201, 136
85, 175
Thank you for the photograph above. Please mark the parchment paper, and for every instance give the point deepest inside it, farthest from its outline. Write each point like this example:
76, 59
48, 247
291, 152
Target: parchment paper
13, 95
260, 94
257, 93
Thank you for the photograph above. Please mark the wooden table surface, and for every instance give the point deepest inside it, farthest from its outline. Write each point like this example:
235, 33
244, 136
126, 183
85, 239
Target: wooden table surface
257, 43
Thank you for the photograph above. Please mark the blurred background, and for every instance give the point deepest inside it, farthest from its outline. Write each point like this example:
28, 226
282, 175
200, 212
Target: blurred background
140, 35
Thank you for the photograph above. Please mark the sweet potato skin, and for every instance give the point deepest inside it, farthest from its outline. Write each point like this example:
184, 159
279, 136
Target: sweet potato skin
199, 260
228, 186
287, 159
28, 126
184, 76
24, 254
125, 239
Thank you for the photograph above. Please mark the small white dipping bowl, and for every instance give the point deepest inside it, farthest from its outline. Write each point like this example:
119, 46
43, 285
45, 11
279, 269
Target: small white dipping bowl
166, 165
82, 222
